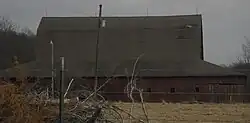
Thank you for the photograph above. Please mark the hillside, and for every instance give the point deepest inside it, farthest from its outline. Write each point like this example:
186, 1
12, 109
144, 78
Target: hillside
14, 43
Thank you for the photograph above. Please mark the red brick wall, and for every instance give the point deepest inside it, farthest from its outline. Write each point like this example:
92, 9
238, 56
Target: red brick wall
160, 88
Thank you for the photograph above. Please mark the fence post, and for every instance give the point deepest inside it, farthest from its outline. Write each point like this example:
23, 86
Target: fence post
61, 90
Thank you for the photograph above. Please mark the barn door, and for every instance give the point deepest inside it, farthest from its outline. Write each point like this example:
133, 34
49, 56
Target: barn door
211, 91
214, 90
229, 89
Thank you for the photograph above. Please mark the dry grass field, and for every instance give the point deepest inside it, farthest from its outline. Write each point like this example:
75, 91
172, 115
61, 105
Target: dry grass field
16, 107
191, 113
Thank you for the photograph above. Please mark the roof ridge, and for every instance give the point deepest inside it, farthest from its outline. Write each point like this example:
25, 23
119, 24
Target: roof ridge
131, 16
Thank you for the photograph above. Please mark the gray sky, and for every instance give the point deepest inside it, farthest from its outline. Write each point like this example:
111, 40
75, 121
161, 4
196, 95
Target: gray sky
225, 22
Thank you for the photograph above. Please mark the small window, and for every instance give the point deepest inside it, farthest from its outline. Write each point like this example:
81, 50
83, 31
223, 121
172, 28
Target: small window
180, 37
13, 79
197, 89
149, 90
172, 90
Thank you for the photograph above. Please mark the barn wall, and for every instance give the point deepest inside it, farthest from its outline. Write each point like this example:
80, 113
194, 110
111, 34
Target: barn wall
158, 89
210, 89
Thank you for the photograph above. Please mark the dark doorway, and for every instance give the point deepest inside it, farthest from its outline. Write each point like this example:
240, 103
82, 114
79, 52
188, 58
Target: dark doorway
172, 90
149, 90
197, 89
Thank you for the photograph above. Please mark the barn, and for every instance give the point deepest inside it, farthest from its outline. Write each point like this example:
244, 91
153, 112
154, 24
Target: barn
164, 54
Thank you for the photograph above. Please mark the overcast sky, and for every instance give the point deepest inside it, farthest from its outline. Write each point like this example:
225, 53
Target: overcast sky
225, 22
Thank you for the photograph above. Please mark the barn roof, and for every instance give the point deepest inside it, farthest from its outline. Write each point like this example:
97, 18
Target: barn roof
130, 22
196, 68
165, 69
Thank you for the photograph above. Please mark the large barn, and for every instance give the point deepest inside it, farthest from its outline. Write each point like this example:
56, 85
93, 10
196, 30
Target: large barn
171, 64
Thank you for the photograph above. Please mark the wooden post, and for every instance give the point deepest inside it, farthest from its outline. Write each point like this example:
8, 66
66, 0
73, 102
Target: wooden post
61, 90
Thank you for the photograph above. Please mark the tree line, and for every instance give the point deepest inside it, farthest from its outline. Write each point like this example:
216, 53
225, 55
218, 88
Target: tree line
243, 60
15, 42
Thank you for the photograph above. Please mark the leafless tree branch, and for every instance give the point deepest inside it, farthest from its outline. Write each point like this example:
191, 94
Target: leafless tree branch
7, 25
131, 87
65, 94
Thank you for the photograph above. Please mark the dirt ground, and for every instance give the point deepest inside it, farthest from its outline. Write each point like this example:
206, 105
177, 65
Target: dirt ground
191, 113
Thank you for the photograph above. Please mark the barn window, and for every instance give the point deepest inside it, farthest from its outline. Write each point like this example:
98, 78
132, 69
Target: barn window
181, 37
172, 90
31, 79
181, 34
13, 79
149, 90
197, 89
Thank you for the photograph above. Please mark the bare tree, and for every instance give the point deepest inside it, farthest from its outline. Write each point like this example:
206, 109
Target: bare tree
223, 65
27, 32
7, 25
131, 88
243, 61
245, 57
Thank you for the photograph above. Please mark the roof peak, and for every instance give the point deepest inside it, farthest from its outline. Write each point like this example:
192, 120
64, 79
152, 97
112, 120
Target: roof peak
141, 16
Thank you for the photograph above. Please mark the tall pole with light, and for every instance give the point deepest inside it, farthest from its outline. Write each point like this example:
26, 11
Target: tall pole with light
52, 70
97, 47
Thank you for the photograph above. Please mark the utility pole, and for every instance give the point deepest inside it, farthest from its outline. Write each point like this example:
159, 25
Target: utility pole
46, 13
97, 47
52, 70
147, 11
197, 11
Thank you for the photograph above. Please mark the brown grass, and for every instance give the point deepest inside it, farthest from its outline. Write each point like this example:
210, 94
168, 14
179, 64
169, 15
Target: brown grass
15, 107
183, 113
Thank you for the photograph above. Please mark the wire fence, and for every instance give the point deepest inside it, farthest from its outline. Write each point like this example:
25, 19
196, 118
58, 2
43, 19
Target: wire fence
181, 97
181, 93
164, 120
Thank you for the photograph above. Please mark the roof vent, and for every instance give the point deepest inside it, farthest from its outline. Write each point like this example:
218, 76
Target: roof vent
103, 23
188, 26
